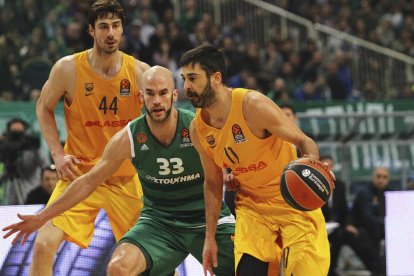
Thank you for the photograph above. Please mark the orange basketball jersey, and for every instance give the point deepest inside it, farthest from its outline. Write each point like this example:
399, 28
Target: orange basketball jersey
99, 109
257, 163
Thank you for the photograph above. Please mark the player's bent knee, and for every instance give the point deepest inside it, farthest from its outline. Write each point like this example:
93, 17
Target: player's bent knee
127, 259
45, 247
117, 267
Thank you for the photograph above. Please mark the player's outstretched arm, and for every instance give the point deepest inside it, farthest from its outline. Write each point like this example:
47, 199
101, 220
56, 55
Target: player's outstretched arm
213, 194
116, 151
262, 115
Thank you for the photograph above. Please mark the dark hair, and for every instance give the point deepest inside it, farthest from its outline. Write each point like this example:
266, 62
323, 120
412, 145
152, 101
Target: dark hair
285, 105
50, 168
209, 58
103, 8
17, 120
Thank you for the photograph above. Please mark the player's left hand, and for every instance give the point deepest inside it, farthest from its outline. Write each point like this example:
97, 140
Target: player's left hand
230, 181
27, 225
210, 255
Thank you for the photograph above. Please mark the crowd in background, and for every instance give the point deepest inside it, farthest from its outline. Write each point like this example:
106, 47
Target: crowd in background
34, 34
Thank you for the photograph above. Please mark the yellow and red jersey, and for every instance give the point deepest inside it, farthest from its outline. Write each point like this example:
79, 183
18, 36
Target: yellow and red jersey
100, 108
257, 163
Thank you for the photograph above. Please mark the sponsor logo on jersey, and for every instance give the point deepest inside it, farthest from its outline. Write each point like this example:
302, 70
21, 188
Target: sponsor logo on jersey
88, 88
238, 134
141, 138
174, 180
255, 167
211, 141
125, 88
144, 147
117, 123
185, 138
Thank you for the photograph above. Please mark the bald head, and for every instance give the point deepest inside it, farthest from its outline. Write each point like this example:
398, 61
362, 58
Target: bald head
381, 177
158, 93
158, 74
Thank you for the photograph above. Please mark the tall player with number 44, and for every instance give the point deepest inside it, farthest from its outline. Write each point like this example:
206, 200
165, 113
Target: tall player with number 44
100, 88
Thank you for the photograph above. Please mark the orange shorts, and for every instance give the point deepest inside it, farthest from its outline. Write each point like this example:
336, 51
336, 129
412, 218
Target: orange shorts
119, 196
266, 227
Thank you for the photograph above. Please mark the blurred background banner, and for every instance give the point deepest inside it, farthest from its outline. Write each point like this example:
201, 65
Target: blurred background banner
359, 135
70, 259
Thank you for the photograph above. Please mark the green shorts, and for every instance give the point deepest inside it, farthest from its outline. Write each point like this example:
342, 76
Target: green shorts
165, 247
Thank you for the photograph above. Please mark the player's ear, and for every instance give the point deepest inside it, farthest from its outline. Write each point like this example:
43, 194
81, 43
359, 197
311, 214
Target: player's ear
91, 31
217, 78
175, 95
141, 96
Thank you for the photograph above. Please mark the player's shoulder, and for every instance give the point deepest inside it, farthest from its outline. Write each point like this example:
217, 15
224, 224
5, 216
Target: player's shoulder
254, 98
65, 63
65, 66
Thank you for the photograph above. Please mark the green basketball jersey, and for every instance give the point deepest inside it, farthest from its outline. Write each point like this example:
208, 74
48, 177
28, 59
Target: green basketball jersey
171, 176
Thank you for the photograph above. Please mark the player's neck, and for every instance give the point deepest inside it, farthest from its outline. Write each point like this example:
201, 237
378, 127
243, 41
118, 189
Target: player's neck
105, 65
216, 115
164, 131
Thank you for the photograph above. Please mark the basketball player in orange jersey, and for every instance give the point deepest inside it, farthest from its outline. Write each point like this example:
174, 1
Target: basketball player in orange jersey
245, 131
100, 89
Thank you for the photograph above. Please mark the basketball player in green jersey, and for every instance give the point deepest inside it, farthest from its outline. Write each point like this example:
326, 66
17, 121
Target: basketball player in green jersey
172, 222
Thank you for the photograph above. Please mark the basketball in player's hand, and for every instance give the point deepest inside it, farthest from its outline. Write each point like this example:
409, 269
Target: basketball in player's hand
306, 184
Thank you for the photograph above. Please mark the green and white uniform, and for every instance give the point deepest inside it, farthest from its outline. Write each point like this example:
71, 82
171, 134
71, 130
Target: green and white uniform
172, 222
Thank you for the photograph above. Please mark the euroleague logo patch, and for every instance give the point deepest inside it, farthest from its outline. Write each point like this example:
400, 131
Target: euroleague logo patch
125, 88
238, 134
185, 138
141, 138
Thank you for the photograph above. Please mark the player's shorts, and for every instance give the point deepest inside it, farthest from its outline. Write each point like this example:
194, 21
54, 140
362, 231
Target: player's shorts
165, 247
119, 196
266, 227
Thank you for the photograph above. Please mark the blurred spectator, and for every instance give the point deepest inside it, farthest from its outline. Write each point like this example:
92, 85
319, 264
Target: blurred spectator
42, 193
190, 16
368, 214
234, 60
271, 60
278, 91
292, 81
52, 29
147, 27
178, 41
336, 211
336, 86
133, 43
307, 92
35, 72
161, 6
19, 152
290, 112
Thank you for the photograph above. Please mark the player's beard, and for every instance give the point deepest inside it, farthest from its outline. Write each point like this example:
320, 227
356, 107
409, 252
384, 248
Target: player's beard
160, 119
205, 99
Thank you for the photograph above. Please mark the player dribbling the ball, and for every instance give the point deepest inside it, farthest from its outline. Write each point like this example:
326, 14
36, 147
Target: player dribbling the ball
245, 131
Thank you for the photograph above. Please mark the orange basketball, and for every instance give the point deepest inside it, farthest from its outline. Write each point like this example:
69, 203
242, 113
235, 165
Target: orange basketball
306, 184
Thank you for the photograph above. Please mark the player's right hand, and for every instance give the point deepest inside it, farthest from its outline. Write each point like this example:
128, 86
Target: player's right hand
27, 225
210, 255
66, 167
